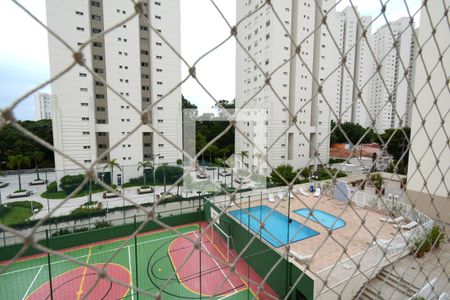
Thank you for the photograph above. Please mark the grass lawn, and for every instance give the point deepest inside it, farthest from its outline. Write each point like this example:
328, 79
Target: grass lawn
17, 212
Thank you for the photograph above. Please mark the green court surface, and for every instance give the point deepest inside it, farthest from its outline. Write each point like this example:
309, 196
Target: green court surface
29, 277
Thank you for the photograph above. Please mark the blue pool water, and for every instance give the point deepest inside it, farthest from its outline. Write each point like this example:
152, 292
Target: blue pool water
276, 225
324, 218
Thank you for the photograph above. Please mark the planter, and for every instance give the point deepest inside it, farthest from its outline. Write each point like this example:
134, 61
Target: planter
37, 182
224, 173
420, 254
3, 184
19, 194
141, 190
111, 195
164, 196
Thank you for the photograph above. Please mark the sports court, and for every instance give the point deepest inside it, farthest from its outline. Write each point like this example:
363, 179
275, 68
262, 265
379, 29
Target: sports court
165, 261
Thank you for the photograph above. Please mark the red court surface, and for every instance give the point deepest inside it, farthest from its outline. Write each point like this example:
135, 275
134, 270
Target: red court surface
74, 284
216, 278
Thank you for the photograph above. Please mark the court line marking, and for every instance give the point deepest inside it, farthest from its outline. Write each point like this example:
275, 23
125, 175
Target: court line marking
32, 282
232, 294
100, 252
131, 273
80, 290
220, 268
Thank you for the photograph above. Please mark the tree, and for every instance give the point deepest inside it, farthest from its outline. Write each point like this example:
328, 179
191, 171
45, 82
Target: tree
144, 165
111, 164
353, 131
13, 142
212, 149
17, 161
37, 157
243, 154
397, 142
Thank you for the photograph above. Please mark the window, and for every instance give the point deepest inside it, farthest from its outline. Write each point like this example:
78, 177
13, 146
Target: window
86, 161
83, 89
96, 30
101, 121
158, 44
143, 28
160, 145
144, 64
101, 108
158, 17
157, 3
85, 119
80, 13
99, 96
98, 57
96, 17
158, 57
84, 104
98, 70
159, 83
80, 28
86, 133
95, 3
82, 74
98, 83
144, 52
86, 147
98, 44
160, 121
159, 70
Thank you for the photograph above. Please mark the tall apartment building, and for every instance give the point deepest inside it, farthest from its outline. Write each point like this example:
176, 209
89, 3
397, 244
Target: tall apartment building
392, 87
88, 117
43, 106
352, 34
296, 82
429, 159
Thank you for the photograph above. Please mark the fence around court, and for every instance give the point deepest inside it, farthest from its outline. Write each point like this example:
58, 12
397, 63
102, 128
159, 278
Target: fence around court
427, 98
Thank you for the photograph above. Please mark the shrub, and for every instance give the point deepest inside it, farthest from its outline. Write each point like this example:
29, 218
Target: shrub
436, 236
81, 229
172, 174
69, 183
287, 173
62, 231
102, 224
52, 187
179, 162
336, 160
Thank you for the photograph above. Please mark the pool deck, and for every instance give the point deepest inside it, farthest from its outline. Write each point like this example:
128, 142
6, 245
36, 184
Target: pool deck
356, 236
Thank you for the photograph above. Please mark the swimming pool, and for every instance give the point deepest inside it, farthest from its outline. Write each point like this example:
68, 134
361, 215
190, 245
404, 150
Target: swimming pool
276, 225
324, 218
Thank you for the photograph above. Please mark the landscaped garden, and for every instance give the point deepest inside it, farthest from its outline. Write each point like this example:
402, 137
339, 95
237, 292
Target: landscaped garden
18, 212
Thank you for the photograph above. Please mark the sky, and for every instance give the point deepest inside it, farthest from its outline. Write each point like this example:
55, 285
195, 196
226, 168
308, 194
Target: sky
24, 61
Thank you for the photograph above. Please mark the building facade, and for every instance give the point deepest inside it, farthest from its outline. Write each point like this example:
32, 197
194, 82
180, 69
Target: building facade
429, 158
89, 118
43, 106
393, 84
298, 86
352, 34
